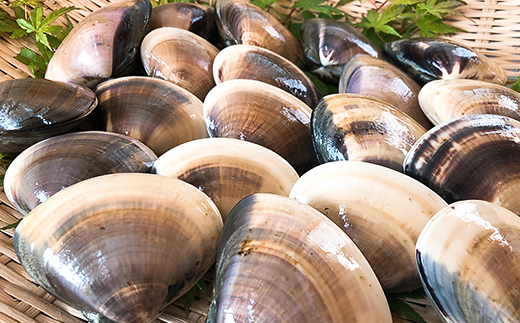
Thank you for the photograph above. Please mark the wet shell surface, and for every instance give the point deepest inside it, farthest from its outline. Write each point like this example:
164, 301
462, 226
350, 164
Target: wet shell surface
362, 128
429, 59
282, 261
181, 57
59, 162
256, 63
472, 157
122, 245
101, 45
374, 77
33, 109
381, 210
156, 112
241, 22
228, 170
468, 256
263, 114
329, 44
445, 100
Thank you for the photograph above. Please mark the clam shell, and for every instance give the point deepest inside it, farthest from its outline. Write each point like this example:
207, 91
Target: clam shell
59, 162
468, 256
101, 45
180, 57
472, 157
282, 261
362, 128
158, 113
32, 110
122, 245
240, 22
370, 76
381, 210
445, 100
429, 59
263, 114
228, 170
256, 63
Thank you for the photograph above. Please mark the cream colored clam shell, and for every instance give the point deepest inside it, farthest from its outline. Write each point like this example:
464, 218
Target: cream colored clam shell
383, 211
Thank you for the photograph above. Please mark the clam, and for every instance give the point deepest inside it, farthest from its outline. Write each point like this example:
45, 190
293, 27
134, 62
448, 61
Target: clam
329, 44
197, 18
156, 112
429, 59
101, 45
58, 162
227, 170
123, 245
240, 22
256, 63
468, 257
32, 110
282, 261
181, 57
444, 100
263, 114
362, 128
471, 157
374, 77
381, 210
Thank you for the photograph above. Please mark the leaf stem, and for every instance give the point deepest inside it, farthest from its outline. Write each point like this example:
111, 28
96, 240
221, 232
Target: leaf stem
410, 23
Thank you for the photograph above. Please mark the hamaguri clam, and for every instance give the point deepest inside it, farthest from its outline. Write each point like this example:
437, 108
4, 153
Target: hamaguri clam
282, 261
122, 245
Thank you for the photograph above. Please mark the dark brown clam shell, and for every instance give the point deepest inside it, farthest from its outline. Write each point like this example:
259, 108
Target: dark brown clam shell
32, 110
471, 157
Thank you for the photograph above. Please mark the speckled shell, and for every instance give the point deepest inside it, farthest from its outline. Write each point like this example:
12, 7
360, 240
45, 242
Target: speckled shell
59, 162
257, 63
181, 57
158, 113
374, 77
282, 261
122, 245
362, 128
468, 256
381, 210
445, 100
33, 109
429, 59
472, 157
263, 114
241, 22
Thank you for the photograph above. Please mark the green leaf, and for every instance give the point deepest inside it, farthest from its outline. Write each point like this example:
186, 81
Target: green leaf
188, 298
34, 62
36, 17
44, 51
202, 286
18, 33
263, 3
25, 25
56, 13
406, 2
322, 88
42, 38
54, 30
8, 28
19, 13
389, 30
12, 225
516, 86
55, 42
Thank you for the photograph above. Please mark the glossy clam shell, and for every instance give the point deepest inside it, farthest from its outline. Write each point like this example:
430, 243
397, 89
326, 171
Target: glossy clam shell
445, 100
381, 210
329, 44
263, 114
362, 128
59, 162
32, 110
468, 256
240, 22
282, 261
180, 57
122, 245
158, 113
472, 157
197, 18
228, 170
429, 59
256, 63
374, 77
101, 45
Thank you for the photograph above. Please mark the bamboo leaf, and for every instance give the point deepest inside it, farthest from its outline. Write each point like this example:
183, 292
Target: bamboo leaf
12, 225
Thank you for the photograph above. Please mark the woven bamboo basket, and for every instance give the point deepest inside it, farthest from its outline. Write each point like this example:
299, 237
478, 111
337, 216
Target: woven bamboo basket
493, 29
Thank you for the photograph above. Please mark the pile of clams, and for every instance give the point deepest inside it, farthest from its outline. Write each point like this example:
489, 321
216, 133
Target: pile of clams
166, 140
